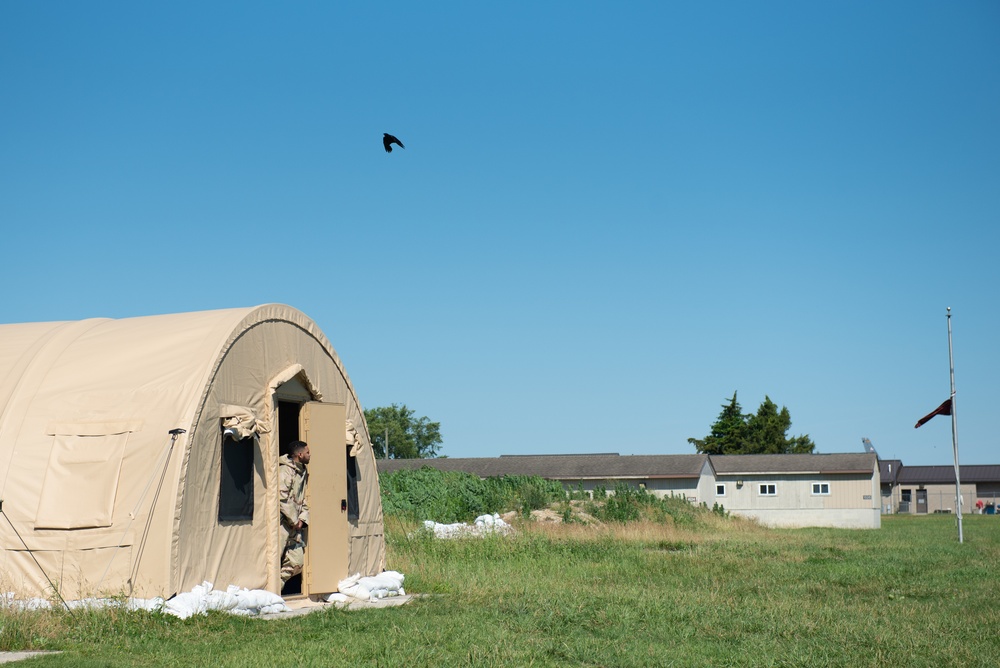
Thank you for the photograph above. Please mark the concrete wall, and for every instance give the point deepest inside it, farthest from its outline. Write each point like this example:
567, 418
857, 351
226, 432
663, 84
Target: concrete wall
840, 518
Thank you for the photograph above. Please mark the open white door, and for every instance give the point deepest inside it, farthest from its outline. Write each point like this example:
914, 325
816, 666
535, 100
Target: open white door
323, 426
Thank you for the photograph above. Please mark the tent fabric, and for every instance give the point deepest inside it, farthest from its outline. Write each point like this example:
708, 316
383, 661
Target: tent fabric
241, 420
353, 440
101, 491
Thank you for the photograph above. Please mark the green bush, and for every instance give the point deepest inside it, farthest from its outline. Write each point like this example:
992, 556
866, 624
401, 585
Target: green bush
625, 505
629, 504
451, 496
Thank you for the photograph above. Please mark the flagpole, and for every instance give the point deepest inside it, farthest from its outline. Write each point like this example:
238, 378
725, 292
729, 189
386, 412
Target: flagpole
954, 432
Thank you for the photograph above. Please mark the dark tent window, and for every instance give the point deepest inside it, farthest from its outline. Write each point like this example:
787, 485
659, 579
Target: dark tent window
352, 488
236, 487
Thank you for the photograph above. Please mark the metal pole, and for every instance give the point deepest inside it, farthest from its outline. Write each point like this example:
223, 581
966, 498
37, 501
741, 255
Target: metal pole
954, 433
387, 443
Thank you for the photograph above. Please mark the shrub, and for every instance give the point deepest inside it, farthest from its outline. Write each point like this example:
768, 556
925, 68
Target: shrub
625, 504
566, 512
629, 504
452, 496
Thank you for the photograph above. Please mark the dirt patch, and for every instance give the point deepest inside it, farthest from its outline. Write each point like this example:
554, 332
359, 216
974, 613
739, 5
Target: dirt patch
554, 515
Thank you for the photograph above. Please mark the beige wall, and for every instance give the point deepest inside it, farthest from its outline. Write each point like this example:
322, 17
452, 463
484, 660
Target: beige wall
940, 498
853, 500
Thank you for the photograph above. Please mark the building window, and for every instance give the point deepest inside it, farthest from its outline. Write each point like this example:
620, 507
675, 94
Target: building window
720, 490
768, 489
821, 489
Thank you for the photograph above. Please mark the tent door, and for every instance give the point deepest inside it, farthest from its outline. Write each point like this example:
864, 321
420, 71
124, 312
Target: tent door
323, 427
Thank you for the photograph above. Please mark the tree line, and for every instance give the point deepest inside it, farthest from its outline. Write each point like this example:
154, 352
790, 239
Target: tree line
395, 430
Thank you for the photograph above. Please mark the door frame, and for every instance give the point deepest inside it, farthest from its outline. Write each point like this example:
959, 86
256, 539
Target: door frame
922, 501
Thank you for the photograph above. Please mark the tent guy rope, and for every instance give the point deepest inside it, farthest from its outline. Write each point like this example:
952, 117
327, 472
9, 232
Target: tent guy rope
174, 433
32, 555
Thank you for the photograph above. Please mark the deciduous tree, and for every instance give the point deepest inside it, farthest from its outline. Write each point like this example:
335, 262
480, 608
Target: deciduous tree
409, 437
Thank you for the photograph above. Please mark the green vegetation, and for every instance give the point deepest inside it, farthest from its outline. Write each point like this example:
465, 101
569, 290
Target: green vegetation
713, 592
631, 504
409, 437
453, 496
760, 433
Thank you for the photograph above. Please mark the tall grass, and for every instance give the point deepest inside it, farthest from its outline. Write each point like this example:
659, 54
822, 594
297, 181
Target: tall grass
712, 592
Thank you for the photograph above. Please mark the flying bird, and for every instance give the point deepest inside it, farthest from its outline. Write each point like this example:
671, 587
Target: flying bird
388, 140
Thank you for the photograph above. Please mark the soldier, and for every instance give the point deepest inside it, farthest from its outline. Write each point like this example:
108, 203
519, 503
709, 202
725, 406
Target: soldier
294, 509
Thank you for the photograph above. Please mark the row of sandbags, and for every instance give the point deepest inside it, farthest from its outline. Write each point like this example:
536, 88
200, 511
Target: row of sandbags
484, 524
198, 601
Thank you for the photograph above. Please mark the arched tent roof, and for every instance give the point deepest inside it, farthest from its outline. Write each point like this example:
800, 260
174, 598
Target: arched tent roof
86, 408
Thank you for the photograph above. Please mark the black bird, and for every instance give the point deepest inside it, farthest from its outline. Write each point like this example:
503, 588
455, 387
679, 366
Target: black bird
388, 140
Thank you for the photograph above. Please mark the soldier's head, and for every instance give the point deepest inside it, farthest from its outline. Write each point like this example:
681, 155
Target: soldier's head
298, 451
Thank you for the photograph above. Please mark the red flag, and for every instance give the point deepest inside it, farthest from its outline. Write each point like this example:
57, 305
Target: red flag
943, 409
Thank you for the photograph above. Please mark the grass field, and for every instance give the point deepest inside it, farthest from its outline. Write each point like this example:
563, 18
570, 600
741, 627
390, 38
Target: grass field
710, 592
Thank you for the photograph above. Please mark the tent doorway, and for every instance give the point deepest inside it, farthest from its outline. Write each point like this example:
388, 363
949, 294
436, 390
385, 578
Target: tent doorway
324, 427
288, 431
289, 398
288, 424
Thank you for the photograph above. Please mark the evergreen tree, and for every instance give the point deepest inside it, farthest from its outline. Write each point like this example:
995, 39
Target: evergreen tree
728, 432
760, 433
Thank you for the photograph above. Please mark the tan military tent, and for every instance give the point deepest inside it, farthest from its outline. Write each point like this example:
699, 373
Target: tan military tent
103, 494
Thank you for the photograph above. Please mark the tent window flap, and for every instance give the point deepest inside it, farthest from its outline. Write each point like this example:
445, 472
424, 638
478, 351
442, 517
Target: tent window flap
81, 481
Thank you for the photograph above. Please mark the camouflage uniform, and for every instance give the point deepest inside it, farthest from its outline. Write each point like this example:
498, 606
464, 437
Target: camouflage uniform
294, 478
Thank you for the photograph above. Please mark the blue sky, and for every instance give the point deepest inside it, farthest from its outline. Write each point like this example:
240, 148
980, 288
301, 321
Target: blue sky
608, 216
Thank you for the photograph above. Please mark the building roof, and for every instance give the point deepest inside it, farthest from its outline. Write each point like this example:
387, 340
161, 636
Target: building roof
564, 467
863, 462
612, 466
913, 475
888, 469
